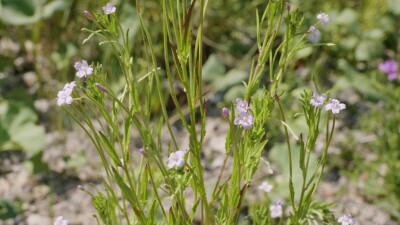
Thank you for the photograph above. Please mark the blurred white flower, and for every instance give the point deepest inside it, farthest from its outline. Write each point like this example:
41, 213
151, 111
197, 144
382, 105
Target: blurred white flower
176, 159
323, 17
60, 221
317, 100
347, 219
315, 34
64, 96
265, 186
276, 210
108, 9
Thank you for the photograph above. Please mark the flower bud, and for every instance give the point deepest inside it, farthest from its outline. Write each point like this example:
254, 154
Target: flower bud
88, 15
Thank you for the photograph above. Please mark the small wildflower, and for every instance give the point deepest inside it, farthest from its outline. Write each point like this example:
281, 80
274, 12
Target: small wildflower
335, 106
347, 219
241, 105
244, 119
265, 186
108, 9
317, 100
389, 66
392, 76
60, 221
176, 159
142, 151
315, 35
88, 15
276, 210
225, 113
64, 96
83, 69
323, 17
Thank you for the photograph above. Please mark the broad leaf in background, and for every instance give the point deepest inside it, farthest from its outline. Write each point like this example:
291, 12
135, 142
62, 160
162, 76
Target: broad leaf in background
22, 12
18, 128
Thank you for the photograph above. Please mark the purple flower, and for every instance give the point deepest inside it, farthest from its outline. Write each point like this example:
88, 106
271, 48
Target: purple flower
276, 210
60, 221
176, 159
241, 105
64, 96
389, 66
225, 112
323, 17
335, 106
347, 219
317, 100
393, 76
108, 9
265, 186
245, 120
83, 69
315, 35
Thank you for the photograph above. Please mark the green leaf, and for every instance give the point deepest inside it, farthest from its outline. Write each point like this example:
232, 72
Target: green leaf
213, 68
20, 12
231, 78
9, 209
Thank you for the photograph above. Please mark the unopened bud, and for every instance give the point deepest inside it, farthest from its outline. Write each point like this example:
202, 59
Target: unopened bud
101, 87
225, 113
276, 97
88, 15
287, 4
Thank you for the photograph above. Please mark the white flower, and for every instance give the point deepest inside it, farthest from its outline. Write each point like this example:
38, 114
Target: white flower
83, 69
176, 159
108, 9
317, 100
315, 34
265, 186
335, 106
64, 96
323, 17
276, 210
60, 221
347, 219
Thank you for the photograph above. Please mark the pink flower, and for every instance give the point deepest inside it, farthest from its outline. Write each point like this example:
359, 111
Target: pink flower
276, 210
60, 221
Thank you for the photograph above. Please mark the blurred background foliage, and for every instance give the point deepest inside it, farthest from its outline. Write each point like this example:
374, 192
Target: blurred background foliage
41, 39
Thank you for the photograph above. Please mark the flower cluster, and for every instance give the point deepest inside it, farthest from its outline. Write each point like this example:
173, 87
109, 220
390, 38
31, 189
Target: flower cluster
60, 221
64, 96
390, 67
265, 186
334, 105
347, 219
276, 210
244, 118
314, 34
176, 159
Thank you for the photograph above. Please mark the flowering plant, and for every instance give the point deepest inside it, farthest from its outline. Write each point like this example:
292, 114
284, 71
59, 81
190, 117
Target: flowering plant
135, 193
